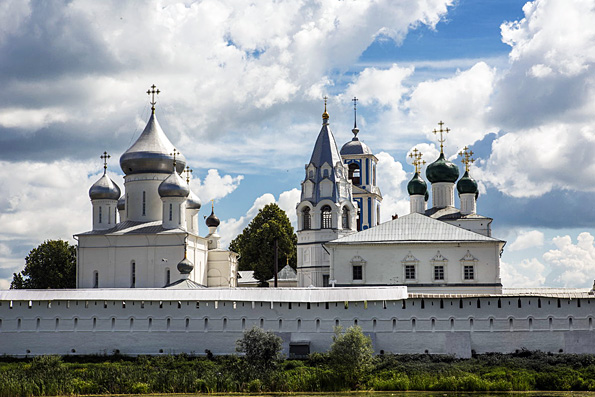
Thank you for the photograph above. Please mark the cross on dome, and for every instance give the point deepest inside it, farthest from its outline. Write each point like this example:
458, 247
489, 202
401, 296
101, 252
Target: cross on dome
416, 155
152, 92
325, 115
104, 157
188, 172
175, 153
354, 100
466, 157
441, 131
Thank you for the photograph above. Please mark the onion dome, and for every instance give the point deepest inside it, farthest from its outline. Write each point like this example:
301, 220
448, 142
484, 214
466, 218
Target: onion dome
467, 185
212, 220
193, 202
174, 186
417, 186
104, 189
442, 170
151, 153
185, 266
122, 203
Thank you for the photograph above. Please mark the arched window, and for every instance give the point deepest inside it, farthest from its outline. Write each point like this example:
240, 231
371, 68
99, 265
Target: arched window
345, 218
171, 210
354, 173
307, 224
167, 276
95, 279
132, 274
326, 217
99, 214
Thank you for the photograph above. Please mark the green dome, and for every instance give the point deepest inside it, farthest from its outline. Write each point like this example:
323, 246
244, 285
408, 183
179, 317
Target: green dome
417, 186
467, 185
442, 170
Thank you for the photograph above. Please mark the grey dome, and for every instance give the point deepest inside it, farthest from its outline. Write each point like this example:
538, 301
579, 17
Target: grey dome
152, 152
122, 203
185, 266
212, 220
104, 189
355, 146
173, 186
193, 202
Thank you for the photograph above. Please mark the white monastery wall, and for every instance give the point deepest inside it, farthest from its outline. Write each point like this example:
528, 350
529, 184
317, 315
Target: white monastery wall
435, 325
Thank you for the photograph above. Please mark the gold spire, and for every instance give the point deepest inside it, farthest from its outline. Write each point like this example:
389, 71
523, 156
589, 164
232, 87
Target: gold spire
104, 157
188, 171
151, 92
466, 157
325, 115
175, 153
417, 161
441, 131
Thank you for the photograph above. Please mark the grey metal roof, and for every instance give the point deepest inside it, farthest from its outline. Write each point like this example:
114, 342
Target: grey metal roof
152, 152
567, 293
105, 189
451, 213
286, 274
325, 149
184, 283
413, 228
355, 146
133, 227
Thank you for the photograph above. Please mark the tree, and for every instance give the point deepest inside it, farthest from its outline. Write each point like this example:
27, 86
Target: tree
256, 243
262, 351
351, 354
51, 265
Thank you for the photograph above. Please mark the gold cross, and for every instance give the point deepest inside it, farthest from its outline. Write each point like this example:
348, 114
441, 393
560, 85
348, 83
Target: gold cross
151, 92
104, 157
466, 157
441, 131
175, 153
325, 114
417, 161
213, 206
188, 172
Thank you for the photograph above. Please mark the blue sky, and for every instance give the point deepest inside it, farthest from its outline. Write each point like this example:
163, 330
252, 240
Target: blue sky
242, 86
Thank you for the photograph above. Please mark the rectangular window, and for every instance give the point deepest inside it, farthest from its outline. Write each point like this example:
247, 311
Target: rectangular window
468, 272
409, 272
144, 203
358, 272
99, 214
325, 280
132, 274
439, 272
170, 211
95, 279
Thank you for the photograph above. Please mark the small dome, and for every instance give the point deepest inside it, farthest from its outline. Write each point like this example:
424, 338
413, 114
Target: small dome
173, 186
104, 189
467, 185
442, 170
185, 266
193, 202
122, 203
417, 186
212, 220
355, 146
151, 153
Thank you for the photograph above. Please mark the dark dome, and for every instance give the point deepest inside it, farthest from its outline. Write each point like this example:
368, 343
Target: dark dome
173, 186
122, 203
185, 266
104, 189
442, 170
212, 220
355, 146
467, 185
151, 153
417, 186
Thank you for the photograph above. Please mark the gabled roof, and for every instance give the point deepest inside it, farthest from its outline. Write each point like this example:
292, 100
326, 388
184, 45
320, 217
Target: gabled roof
451, 213
184, 283
413, 228
134, 227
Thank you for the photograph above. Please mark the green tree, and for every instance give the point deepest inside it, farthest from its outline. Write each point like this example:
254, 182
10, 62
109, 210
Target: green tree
256, 243
262, 352
351, 354
51, 265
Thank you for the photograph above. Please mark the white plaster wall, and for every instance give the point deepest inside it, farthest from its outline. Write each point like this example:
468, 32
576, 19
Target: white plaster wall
478, 225
436, 326
134, 186
443, 194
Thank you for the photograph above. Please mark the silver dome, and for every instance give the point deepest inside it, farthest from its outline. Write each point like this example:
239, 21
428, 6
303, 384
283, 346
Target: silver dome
152, 152
355, 146
173, 186
193, 202
104, 189
122, 203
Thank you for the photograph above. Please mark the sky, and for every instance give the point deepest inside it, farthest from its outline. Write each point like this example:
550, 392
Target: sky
241, 97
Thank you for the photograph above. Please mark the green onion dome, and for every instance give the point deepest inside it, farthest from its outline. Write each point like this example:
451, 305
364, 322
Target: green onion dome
417, 186
467, 185
442, 170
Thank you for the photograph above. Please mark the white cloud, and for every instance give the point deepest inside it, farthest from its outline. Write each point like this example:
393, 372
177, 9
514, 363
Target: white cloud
382, 85
573, 265
527, 239
527, 274
393, 177
215, 186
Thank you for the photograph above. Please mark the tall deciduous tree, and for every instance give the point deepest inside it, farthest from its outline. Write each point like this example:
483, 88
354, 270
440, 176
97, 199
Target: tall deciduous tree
351, 354
51, 265
256, 244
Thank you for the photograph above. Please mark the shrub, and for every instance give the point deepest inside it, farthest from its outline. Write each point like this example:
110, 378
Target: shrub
351, 354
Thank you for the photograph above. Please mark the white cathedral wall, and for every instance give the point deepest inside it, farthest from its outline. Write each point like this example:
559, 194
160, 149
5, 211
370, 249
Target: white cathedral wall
443, 194
135, 185
384, 264
479, 225
456, 326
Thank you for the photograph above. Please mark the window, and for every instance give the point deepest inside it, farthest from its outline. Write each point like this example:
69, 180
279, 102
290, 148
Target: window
306, 219
439, 272
354, 173
325, 281
99, 214
171, 211
326, 217
311, 174
109, 215
95, 279
358, 272
409, 272
167, 276
132, 274
345, 218
468, 272
145, 203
